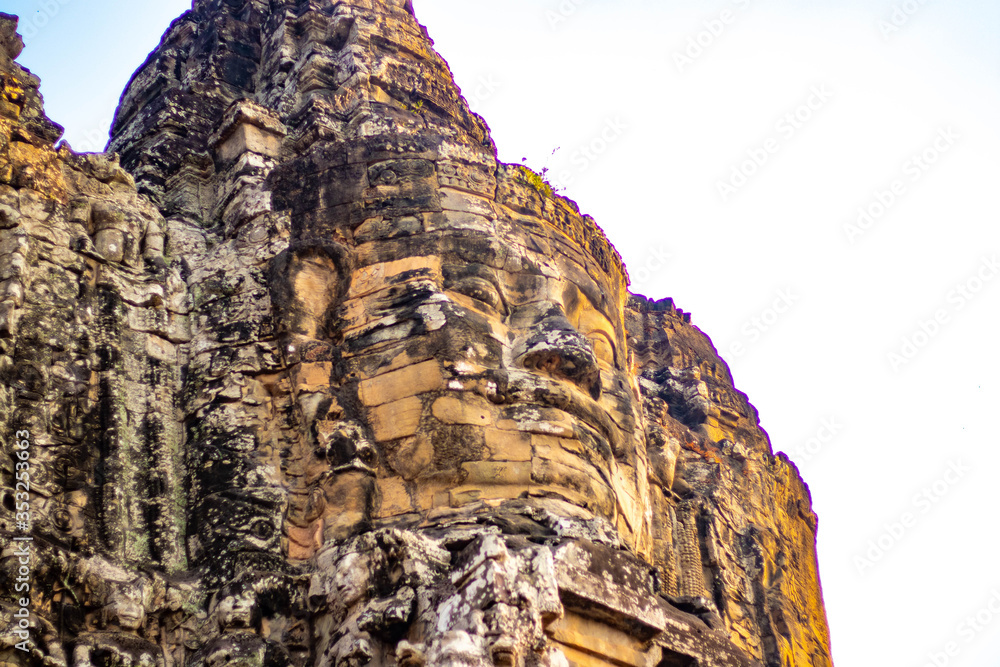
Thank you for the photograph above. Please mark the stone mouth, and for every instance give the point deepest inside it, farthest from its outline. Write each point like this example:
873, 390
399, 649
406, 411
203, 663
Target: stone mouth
504, 657
356, 465
128, 620
526, 388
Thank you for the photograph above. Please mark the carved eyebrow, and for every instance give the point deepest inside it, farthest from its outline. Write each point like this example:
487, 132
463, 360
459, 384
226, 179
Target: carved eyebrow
602, 333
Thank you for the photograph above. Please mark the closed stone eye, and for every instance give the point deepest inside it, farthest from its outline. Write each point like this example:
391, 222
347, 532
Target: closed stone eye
479, 289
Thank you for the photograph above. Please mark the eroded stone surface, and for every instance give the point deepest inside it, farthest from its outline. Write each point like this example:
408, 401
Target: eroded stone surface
314, 380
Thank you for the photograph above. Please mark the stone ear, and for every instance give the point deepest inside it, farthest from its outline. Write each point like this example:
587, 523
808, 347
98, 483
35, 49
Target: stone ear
307, 282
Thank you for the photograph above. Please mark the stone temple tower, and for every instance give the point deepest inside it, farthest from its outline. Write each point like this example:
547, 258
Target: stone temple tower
312, 380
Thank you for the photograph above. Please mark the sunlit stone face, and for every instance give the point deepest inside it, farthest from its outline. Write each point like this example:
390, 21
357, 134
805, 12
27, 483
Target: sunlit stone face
126, 611
237, 612
484, 361
346, 391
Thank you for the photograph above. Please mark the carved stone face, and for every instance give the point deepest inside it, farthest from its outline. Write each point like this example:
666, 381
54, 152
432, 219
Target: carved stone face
348, 487
492, 365
459, 649
125, 610
237, 528
351, 579
126, 615
237, 612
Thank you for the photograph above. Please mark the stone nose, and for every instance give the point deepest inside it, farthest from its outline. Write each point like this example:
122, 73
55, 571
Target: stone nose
559, 350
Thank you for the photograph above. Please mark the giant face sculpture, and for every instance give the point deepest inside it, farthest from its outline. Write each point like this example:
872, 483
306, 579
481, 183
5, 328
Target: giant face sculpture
482, 359
357, 347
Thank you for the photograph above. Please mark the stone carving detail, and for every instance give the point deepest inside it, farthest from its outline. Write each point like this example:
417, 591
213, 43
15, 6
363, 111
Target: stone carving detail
239, 615
118, 627
314, 380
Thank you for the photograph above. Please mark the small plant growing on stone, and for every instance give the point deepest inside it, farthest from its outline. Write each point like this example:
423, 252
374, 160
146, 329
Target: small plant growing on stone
527, 176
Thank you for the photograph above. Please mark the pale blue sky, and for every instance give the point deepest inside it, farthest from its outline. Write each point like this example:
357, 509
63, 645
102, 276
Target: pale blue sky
606, 76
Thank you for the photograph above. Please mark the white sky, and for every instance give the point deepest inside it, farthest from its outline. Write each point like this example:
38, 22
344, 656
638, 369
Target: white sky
606, 70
